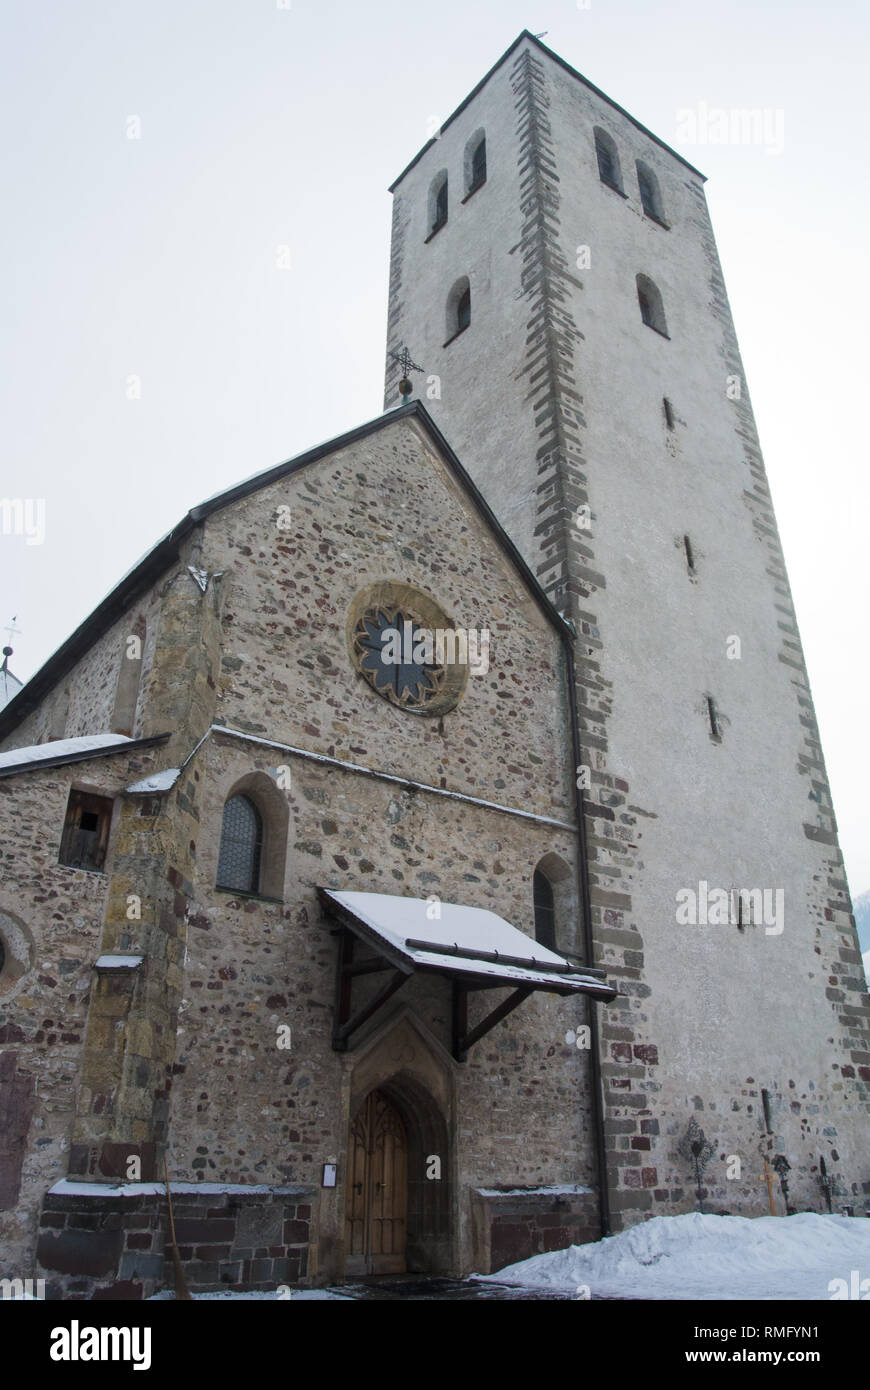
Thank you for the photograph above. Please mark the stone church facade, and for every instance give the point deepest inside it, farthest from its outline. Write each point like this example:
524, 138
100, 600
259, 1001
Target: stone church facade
148, 1012
334, 945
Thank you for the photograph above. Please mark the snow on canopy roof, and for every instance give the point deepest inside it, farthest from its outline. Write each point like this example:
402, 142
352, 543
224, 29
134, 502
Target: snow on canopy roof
476, 942
60, 748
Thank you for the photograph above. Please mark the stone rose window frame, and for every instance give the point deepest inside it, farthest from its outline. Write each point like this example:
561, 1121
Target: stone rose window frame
398, 602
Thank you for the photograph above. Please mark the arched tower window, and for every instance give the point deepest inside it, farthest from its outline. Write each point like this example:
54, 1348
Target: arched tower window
458, 308
608, 159
650, 193
475, 163
437, 203
545, 910
652, 310
129, 678
241, 846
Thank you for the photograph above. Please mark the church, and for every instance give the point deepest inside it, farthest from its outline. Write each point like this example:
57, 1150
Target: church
430, 836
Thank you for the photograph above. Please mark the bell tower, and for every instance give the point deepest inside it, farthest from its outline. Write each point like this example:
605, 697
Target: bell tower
555, 272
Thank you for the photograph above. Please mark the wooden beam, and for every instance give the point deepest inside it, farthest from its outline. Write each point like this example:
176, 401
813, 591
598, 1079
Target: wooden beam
367, 967
343, 984
460, 1019
482, 1028
343, 1030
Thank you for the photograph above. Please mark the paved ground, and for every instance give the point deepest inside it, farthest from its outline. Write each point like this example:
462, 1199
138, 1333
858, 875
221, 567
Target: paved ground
402, 1286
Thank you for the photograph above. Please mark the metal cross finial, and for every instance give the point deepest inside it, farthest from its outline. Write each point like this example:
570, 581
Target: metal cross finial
11, 630
407, 364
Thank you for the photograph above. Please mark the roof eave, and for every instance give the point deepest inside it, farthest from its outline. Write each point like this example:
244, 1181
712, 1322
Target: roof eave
82, 755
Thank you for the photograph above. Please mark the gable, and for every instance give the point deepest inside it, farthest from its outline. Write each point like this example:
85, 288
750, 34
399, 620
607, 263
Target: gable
386, 521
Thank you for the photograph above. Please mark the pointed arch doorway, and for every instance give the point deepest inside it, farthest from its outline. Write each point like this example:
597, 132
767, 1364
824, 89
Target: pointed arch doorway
377, 1192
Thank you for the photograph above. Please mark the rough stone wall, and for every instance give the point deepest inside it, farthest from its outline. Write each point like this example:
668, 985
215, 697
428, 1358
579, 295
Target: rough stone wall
706, 1018
183, 1049
57, 913
88, 690
104, 1244
243, 1109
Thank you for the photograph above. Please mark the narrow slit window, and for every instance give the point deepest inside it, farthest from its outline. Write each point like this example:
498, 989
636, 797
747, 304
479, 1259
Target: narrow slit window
437, 203
713, 716
690, 555
669, 413
463, 311
477, 166
765, 1105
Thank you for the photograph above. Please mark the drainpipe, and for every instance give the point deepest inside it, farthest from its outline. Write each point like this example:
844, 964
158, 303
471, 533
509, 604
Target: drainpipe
583, 884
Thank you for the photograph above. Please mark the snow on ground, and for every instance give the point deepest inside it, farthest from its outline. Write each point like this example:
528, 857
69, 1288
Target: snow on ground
698, 1256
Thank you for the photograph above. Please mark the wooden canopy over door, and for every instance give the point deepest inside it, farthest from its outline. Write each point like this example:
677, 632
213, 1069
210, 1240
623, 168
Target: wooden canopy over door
377, 1192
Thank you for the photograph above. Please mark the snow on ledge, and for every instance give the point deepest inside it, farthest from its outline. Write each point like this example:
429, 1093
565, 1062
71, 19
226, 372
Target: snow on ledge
562, 1190
68, 1188
117, 962
60, 748
157, 781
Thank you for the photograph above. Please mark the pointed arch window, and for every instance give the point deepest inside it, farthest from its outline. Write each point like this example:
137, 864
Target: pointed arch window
545, 910
241, 846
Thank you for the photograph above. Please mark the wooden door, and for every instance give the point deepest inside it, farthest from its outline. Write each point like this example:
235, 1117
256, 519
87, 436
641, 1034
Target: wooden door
377, 1194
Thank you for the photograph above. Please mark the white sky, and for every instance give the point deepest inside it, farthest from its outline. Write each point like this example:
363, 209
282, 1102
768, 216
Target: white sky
263, 127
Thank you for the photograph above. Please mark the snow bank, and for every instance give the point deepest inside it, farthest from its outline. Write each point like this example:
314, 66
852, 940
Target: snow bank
699, 1257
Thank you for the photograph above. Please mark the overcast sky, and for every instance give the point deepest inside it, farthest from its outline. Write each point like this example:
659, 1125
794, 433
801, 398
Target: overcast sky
263, 126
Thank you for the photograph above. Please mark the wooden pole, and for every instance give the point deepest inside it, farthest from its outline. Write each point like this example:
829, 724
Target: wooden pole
767, 1177
181, 1289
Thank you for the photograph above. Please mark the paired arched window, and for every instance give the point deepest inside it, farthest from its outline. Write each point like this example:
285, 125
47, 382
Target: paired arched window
437, 202
652, 310
475, 163
241, 846
458, 308
650, 193
608, 159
